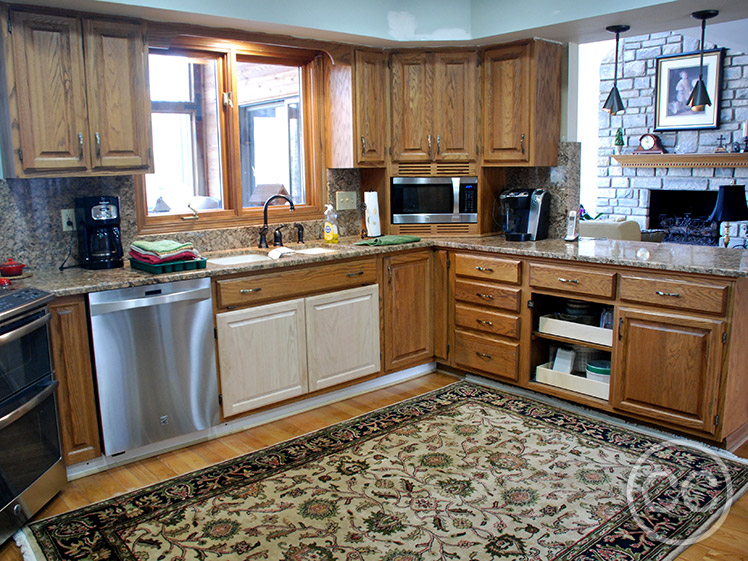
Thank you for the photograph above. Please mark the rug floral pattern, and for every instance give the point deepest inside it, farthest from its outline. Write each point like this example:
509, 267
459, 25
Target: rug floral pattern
465, 472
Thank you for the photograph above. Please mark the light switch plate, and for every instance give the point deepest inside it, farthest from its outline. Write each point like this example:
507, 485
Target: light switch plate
345, 200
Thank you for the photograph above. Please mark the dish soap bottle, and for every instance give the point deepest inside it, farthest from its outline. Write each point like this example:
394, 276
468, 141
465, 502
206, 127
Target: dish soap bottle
331, 225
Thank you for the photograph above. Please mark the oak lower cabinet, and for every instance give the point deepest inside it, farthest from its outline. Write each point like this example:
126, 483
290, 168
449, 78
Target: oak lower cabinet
408, 310
76, 396
77, 96
275, 352
667, 367
486, 315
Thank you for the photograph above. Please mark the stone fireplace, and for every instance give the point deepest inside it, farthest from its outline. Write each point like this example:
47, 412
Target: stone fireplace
641, 193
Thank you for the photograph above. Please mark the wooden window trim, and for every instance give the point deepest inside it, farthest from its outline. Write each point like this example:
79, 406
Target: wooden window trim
233, 215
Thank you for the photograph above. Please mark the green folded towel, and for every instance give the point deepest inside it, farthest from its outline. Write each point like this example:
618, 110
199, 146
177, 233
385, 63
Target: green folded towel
162, 246
389, 240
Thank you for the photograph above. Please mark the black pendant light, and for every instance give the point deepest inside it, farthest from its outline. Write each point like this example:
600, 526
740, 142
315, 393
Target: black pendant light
699, 96
614, 103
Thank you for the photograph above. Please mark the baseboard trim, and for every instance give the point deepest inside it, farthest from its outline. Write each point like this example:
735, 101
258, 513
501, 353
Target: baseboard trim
103, 463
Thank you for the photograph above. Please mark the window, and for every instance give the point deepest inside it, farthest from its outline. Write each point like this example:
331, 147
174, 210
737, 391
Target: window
232, 126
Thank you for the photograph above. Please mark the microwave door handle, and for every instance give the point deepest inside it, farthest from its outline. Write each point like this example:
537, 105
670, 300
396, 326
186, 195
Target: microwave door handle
24, 330
455, 195
16, 414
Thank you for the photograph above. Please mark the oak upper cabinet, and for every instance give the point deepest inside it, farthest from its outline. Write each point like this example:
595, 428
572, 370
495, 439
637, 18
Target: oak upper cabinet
77, 96
355, 108
369, 106
667, 367
408, 310
76, 396
522, 104
433, 100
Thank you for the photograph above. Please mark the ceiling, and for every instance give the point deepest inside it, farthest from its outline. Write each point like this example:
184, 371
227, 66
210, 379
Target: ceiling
434, 22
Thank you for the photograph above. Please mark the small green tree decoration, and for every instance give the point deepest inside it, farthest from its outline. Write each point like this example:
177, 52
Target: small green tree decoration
618, 142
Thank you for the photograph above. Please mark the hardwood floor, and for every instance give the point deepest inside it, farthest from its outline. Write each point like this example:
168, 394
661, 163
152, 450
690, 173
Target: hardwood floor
730, 542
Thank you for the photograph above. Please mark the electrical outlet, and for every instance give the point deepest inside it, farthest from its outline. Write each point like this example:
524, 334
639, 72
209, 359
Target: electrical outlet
345, 200
68, 219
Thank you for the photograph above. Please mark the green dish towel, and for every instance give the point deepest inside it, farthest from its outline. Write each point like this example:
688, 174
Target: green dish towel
162, 246
389, 240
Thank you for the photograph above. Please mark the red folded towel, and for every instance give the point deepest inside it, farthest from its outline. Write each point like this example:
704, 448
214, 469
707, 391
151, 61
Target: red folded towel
148, 258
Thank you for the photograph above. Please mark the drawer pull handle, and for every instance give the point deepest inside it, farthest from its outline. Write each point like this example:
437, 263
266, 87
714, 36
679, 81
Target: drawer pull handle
249, 290
571, 281
671, 294
486, 296
482, 355
358, 274
484, 322
485, 269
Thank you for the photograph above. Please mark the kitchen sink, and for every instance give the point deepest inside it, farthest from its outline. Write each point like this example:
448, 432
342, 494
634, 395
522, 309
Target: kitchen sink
239, 259
315, 250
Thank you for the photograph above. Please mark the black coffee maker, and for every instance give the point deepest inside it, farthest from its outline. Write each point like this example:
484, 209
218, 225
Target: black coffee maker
98, 232
525, 214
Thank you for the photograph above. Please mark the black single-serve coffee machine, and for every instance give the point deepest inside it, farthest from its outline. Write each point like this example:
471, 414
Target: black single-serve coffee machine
98, 232
524, 214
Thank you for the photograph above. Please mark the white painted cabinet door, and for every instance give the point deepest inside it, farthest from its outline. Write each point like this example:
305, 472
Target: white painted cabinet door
342, 336
261, 355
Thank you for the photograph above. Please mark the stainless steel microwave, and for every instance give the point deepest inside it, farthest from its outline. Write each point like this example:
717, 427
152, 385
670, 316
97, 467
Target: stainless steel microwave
434, 200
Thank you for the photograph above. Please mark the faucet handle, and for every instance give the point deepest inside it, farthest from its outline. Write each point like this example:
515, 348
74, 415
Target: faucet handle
278, 236
300, 230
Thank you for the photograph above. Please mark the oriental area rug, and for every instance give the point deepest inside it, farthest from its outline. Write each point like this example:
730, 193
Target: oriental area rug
464, 472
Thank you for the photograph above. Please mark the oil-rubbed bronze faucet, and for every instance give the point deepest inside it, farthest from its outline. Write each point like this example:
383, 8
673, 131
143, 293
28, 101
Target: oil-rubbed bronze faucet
264, 229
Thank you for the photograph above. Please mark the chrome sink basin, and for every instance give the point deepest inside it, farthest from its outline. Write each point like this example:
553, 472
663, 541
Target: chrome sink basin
315, 250
239, 259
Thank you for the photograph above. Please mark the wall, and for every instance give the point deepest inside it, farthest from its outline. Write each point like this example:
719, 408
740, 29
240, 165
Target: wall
32, 227
624, 192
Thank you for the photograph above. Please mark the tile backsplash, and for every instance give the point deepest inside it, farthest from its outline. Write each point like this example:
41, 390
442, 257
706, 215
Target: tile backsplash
32, 226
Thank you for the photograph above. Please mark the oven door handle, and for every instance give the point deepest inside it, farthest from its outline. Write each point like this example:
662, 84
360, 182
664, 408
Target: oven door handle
28, 406
25, 329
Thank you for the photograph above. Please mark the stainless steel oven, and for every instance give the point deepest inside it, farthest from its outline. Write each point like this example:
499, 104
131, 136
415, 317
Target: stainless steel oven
31, 468
434, 200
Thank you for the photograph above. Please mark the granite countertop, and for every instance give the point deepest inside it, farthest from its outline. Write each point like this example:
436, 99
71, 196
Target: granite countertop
645, 255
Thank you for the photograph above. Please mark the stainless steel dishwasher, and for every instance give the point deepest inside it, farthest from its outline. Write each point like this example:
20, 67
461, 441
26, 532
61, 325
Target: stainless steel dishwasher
155, 362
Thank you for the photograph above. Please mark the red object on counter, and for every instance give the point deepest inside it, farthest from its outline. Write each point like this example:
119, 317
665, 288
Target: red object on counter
11, 268
4, 283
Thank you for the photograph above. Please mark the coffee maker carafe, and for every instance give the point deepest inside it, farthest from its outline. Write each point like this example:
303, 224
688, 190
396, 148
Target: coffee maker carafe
99, 233
524, 214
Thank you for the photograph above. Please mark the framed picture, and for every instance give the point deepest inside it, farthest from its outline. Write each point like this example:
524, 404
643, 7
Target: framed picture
676, 77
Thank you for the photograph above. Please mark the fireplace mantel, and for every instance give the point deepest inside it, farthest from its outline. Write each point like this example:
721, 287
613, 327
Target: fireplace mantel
717, 160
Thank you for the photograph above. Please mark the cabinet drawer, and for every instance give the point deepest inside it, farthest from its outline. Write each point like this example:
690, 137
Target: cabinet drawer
261, 287
672, 293
481, 319
492, 356
573, 280
489, 268
487, 294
